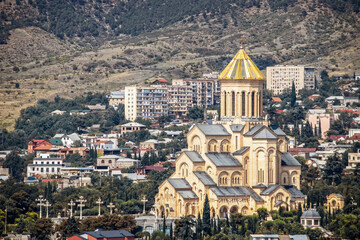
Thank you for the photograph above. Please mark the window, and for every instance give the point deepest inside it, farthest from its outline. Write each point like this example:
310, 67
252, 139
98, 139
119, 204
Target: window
316, 222
42, 169
309, 222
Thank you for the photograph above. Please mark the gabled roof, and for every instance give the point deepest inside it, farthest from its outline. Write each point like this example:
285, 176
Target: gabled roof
254, 130
204, 178
223, 160
188, 194
179, 183
213, 130
295, 193
288, 160
194, 156
236, 192
236, 127
311, 213
265, 134
241, 150
277, 130
110, 234
241, 67
270, 189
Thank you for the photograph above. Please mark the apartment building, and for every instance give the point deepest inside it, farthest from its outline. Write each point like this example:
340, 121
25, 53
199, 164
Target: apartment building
203, 90
180, 100
281, 77
148, 102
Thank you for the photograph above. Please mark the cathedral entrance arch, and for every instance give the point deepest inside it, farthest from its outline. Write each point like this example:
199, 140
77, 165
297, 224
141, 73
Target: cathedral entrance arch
223, 212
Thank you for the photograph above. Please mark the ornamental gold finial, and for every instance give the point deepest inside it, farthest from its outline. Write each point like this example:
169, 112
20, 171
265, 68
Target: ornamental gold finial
242, 41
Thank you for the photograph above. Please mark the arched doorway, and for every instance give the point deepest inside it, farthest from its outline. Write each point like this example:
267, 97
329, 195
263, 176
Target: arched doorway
234, 209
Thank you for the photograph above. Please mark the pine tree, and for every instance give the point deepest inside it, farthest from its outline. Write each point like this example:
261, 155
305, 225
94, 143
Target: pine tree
206, 216
293, 96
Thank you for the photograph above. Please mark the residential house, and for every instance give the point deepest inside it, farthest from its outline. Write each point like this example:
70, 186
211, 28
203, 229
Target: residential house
319, 120
44, 167
116, 98
39, 144
353, 139
302, 152
79, 112
277, 237
113, 161
71, 139
310, 218
57, 112
104, 235
131, 127
353, 131
82, 151
149, 144
353, 160
104, 144
4, 173
96, 108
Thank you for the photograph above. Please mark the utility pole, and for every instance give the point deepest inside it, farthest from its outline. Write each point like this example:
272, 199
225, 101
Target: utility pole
111, 206
82, 202
144, 200
47, 205
71, 204
40, 199
99, 202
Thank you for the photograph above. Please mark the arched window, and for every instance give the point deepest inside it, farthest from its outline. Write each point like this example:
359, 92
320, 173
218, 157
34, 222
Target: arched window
236, 179
184, 170
223, 178
252, 103
243, 104
233, 104
196, 143
212, 145
261, 161
271, 166
110, 161
102, 161
225, 146
225, 103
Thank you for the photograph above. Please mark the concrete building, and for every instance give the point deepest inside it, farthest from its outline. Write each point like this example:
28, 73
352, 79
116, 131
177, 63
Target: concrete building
281, 77
44, 167
116, 98
239, 162
203, 90
113, 161
148, 102
131, 127
320, 119
353, 160
180, 100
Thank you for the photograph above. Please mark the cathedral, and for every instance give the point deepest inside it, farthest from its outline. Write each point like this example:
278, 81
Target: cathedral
239, 161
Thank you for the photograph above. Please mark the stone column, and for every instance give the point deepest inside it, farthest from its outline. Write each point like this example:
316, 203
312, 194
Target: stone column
237, 104
261, 103
240, 103
256, 100
222, 102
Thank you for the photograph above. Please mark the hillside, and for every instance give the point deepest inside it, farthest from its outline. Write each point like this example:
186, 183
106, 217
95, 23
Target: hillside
69, 47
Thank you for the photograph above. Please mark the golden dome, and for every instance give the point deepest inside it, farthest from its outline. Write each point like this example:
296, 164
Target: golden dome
241, 67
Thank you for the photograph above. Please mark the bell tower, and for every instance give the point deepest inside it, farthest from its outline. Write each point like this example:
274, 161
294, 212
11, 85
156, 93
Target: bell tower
241, 88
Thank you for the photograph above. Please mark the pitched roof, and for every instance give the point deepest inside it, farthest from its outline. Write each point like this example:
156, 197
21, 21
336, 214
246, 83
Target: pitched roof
204, 178
223, 160
236, 127
311, 213
241, 150
265, 134
179, 183
110, 234
295, 193
214, 130
194, 156
254, 130
236, 192
270, 189
276, 99
288, 160
241, 67
277, 130
187, 194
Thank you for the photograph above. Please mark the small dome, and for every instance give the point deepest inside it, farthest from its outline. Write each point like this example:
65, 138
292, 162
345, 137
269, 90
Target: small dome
311, 213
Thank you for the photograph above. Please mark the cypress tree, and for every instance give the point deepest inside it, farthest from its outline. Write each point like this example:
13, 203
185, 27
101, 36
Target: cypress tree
243, 228
320, 134
227, 221
218, 225
293, 95
206, 216
164, 224
199, 227
299, 212
171, 231
214, 226
315, 131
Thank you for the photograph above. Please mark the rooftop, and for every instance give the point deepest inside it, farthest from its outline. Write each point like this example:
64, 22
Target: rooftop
223, 160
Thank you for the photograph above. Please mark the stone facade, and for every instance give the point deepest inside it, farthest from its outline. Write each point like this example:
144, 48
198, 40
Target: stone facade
239, 162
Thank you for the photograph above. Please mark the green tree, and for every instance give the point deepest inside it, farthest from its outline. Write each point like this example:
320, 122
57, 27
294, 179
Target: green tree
293, 95
43, 228
299, 212
184, 227
196, 113
16, 165
263, 213
68, 227
333, 170
206, 216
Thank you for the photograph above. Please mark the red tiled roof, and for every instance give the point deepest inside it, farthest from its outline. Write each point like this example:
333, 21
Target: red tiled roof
279, 111
276, 99
356, 136
162, 80
336, 137
160, 168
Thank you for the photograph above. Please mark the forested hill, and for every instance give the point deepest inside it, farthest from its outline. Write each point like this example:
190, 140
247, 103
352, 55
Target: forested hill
108, 18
